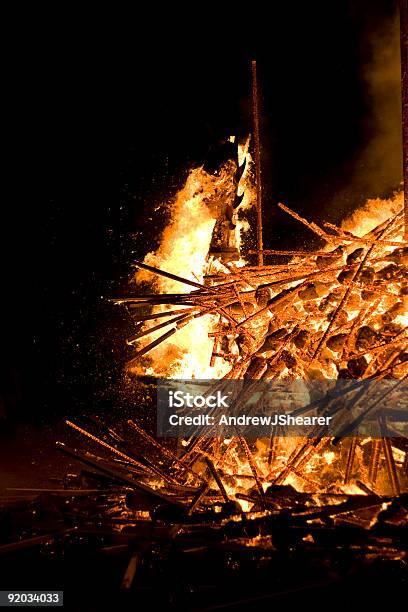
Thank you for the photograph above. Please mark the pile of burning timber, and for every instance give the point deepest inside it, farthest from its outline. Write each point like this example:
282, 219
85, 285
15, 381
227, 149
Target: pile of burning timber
340, 313
335, 314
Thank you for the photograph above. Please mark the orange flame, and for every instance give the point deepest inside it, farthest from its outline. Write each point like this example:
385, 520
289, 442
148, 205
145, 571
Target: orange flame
183, 251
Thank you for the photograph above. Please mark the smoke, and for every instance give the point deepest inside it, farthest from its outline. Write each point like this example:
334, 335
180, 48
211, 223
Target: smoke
376, 170
381, 162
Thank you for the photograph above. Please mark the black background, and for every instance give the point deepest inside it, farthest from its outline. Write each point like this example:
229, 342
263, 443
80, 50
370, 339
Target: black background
107, 118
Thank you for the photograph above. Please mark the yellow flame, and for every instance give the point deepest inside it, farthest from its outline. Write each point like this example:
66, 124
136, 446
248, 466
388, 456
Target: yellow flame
372, 214
183, 251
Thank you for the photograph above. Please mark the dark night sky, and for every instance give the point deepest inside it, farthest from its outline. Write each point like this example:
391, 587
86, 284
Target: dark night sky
108, 120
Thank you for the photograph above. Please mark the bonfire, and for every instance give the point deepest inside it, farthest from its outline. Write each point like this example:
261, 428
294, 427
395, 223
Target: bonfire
333, 314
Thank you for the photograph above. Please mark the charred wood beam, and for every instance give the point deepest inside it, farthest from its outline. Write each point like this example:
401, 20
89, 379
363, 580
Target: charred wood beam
217, 479
150, 346
202, 491
162, 449
180, 279
253, 467
33, 542
374, 461
151, 330
389, 459
257, 144
115, 474
109, 447
350, 460
404, 91
161, 315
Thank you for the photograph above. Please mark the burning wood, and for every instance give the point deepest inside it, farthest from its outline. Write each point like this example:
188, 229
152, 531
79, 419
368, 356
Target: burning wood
313, 317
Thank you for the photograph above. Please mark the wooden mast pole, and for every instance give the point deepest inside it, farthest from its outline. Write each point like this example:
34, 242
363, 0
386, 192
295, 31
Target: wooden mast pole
404, 91
257, 146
